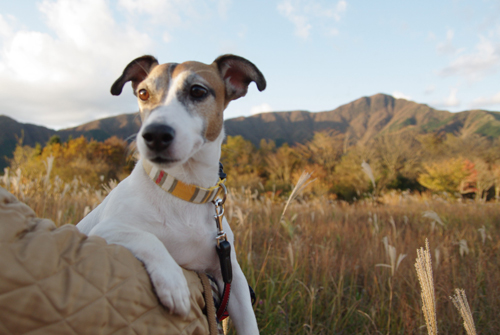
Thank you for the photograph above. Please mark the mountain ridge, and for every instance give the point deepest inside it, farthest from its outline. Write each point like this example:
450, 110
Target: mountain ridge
364, 119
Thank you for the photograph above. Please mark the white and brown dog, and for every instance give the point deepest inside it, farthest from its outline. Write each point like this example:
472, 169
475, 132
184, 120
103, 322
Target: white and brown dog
181, 107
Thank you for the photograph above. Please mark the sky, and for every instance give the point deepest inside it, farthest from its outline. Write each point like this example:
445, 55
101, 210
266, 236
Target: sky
59, 58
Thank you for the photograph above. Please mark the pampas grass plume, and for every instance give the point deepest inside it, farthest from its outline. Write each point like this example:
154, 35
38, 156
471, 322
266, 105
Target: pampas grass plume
460, 302
424, 272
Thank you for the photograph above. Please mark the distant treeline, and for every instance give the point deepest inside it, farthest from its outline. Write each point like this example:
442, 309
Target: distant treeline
92, 162
456, 164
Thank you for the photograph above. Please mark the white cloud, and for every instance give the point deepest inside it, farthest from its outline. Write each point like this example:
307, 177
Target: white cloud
263, 108
482, 102
175, 13
301, 13
302, 27
447, 46
476, 65
399, 95
5, 27
167, 12
67, 74
340, 10
450, 101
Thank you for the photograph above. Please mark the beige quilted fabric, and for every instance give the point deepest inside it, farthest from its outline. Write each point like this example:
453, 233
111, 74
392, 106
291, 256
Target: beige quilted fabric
59, 281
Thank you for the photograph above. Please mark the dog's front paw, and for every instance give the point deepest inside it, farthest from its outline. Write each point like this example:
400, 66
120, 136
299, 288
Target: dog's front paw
172, 290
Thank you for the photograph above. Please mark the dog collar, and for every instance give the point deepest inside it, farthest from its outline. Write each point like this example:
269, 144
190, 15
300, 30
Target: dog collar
181, 190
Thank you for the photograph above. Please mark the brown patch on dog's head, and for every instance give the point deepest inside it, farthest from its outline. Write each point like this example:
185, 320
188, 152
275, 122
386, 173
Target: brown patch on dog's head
156, 84
211, 110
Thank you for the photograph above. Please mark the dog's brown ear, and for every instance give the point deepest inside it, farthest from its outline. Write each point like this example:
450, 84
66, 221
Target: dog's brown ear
136, 71
238, 73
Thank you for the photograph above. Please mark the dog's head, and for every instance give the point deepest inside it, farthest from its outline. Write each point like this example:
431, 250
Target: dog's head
181, 105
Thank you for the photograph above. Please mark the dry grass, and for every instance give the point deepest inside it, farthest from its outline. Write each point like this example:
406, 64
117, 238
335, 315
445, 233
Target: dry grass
52, 198
314, 270
460, 302
425, 278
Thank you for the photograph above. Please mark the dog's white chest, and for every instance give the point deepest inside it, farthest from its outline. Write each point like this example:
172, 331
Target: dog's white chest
189, 236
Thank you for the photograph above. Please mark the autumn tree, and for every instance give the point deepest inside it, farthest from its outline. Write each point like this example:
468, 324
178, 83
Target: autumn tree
280, 166
485, 178
349, 180
94, 162
445, 175
240, 160
396, 159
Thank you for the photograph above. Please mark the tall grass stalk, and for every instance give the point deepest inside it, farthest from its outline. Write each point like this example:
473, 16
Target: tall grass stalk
368, 171
460, 302
391, 254
424, 272
301, 184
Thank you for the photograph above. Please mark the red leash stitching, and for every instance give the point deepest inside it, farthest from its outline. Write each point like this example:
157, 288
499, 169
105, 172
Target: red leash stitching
221, 312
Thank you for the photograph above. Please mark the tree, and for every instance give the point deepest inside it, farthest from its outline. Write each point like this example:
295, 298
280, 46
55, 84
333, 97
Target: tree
54, 139
397, 159
241, 161
324, 149
444, 176
349, 180
485, 179
280, 166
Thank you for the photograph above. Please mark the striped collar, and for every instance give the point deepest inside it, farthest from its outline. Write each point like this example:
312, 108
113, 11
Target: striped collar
181, 190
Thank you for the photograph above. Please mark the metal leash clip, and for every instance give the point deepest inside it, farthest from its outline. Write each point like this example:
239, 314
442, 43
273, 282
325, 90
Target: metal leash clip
219, 214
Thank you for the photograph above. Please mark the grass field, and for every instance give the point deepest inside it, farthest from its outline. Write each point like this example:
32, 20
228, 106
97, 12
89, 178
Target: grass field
331, 267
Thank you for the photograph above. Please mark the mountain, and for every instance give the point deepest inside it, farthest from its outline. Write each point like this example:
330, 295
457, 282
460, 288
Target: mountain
122, 126
363, 119
11, 131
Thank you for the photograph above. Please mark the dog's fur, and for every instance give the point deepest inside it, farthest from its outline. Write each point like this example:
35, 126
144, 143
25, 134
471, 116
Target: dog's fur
164, 232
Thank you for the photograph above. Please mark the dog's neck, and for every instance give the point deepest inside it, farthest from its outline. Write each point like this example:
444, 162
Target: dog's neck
202, 169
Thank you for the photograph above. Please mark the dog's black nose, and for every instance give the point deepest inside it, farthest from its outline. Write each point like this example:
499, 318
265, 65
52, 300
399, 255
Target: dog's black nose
158, 136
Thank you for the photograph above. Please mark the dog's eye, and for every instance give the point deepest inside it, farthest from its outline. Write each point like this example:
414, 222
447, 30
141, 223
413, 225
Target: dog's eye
143, 94
198, 91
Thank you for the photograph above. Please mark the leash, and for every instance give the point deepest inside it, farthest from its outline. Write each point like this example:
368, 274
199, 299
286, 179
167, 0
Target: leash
223, 248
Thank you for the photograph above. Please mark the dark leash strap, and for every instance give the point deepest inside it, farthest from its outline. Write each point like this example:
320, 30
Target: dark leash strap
223, 249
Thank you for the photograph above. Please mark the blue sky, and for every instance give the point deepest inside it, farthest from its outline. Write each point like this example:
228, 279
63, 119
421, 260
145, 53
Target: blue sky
58, 58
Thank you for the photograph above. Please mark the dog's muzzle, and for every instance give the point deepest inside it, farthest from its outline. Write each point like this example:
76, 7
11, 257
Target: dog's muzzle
158, 137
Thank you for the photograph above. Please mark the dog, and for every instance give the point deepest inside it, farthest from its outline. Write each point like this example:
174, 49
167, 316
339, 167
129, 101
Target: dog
181, 108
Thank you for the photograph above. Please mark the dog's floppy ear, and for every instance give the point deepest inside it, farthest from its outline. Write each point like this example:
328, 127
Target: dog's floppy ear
136, 71
238, 73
